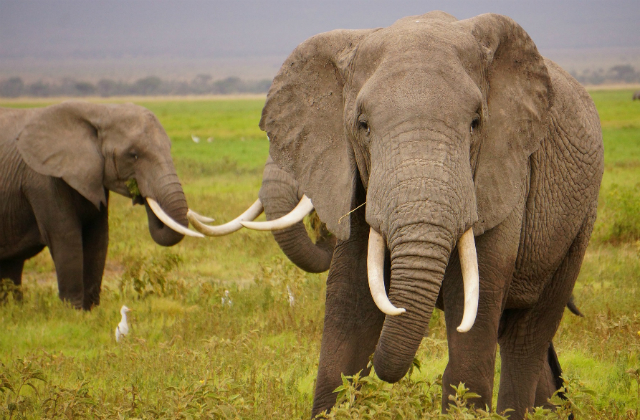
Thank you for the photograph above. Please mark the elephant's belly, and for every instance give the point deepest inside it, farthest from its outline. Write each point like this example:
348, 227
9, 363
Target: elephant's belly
523, 294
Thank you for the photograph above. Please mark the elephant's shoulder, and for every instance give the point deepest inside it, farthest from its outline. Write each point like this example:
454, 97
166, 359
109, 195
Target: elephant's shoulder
574, 118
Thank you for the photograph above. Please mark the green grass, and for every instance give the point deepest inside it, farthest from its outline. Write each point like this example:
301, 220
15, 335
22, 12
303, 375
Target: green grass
188, 356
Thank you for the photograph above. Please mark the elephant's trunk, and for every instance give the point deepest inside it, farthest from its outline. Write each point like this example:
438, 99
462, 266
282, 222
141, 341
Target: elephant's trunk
417, 271
168, 193
421, 199
279, 195
298, 247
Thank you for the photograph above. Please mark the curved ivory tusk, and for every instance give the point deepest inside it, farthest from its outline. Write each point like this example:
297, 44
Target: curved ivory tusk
252, 212
471, 279
303, 208
375, 271
168, 221
201, 218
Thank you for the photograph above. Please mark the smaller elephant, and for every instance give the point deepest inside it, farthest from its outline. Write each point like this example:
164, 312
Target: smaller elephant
57, 166
636, 95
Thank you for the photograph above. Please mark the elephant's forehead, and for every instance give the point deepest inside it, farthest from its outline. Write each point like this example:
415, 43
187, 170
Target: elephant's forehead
433, 39
418, 47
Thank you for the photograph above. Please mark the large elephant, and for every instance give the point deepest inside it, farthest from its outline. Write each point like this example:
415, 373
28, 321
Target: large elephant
57, 166
443, 128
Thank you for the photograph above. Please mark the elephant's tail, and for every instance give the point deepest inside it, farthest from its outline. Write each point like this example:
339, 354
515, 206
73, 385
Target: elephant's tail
554, 363
571, 305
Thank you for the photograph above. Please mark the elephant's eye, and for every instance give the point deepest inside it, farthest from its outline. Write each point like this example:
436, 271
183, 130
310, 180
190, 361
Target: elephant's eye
363, 124
475, 123
134, 156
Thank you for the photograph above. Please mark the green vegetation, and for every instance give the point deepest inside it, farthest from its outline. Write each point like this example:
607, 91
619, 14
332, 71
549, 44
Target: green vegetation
190, 356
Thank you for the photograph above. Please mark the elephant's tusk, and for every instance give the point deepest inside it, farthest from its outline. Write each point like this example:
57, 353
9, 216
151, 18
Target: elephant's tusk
296, 215
471, 279
375, 271
168, 221
251, 213
201, 218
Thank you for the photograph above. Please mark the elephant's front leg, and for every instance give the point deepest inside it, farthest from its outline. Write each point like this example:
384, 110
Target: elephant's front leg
66, 251
54, 205
95, 240
352, 322
472, 354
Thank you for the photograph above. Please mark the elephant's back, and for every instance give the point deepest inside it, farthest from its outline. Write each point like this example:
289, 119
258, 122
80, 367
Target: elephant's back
17, 222
12, 167
12, 121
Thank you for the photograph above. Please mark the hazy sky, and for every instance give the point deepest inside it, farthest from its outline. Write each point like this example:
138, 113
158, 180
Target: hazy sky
113, 30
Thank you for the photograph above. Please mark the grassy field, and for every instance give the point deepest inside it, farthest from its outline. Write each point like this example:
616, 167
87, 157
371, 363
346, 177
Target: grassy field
189, 356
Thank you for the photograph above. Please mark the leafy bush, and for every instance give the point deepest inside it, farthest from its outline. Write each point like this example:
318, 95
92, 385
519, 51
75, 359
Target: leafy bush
147, 276
619, 217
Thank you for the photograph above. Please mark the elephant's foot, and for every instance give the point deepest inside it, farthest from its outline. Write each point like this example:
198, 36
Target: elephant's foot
77, 302
91, 300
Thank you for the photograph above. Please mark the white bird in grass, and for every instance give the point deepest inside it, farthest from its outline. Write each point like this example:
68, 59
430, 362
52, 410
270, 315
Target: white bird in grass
226, 299
195, 139
123, 328
291, 298
210, 139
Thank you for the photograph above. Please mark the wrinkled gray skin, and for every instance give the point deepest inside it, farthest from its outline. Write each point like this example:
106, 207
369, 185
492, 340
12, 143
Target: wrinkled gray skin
636, 95
279, 194
57, 166
442, 125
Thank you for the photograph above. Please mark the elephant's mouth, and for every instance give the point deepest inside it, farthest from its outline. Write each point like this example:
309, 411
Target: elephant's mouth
470, 276
162, 217
158, 218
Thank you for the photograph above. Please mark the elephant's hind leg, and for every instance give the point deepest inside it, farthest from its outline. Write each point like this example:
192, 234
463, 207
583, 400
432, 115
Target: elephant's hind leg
526, 334
12, 270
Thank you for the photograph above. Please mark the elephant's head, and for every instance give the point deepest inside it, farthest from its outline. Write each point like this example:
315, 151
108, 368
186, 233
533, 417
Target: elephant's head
93, 147
437, 118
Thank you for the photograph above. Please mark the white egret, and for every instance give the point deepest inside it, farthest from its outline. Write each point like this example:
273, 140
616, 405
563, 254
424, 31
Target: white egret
291, 298
195, 139
123, 328
226, 299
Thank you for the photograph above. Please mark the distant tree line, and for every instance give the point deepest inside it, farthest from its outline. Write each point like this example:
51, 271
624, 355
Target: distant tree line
623, 73
202, 84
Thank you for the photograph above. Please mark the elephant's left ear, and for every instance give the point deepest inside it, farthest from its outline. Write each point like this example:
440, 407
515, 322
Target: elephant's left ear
518, 93
62, 141
304, 119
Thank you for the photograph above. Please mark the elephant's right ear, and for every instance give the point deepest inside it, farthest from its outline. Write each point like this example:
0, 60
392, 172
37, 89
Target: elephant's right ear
62, 141
303, 117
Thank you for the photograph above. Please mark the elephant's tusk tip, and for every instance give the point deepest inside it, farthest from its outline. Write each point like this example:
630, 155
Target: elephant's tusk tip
398, 311
204, 219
